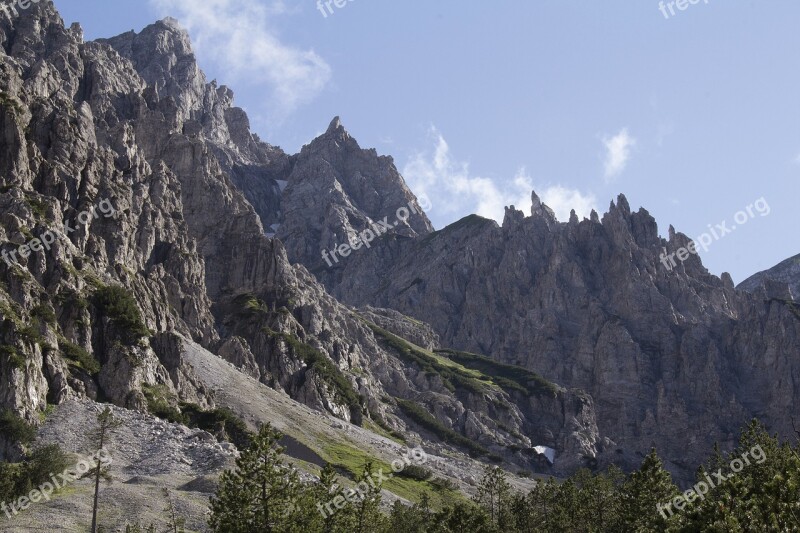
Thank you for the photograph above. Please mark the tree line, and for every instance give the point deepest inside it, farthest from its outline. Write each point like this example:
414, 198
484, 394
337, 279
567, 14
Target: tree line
264, 494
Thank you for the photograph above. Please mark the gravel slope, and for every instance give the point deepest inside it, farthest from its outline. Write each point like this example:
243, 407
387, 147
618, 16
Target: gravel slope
150, 454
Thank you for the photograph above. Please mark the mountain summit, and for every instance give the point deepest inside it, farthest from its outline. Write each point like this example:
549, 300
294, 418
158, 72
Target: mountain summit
160, 258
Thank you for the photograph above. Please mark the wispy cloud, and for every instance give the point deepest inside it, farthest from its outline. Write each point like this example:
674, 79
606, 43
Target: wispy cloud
797, 159
239, 37
618, 152
439, 175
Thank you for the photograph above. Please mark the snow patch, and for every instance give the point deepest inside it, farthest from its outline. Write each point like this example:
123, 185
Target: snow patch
550, 453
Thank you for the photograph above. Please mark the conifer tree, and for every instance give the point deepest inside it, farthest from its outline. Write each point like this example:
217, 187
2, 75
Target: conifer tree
647, 497
367, 503
106, 422
494, 495
175, 523
259, 494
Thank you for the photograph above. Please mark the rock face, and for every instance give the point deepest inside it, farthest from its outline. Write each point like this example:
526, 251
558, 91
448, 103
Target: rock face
533, 335
775, 281
673, 358
337, 192
186, 252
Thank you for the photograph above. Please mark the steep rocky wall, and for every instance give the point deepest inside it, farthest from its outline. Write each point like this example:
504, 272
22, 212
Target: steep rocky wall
131, 121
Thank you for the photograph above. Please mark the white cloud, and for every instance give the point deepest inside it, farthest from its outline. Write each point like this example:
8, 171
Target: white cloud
455, 193
618, 152
239, 38
562, 200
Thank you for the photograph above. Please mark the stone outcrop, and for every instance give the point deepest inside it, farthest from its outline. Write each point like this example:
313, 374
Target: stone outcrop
104, 313
675, 358
781, 281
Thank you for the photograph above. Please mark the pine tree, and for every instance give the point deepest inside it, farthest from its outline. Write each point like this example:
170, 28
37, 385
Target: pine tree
598, 502
762, 496
175, 523
329, 489
466, 518
418, 518
314, 508
494, 495
106, 422
259, 494
646, 497
542, 502
367, 513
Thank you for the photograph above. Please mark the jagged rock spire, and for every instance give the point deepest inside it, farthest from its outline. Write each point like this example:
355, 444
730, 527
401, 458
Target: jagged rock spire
540, 209
335, 124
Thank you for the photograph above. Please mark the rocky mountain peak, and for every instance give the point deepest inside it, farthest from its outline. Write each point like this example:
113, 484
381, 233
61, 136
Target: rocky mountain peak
623, 205
162, 54
539, 209
781, 281
336, 192
336, 127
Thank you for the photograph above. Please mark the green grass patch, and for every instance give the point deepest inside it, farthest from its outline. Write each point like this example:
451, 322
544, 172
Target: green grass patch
220, 421
7, 311
16, 428
349, 458
79, 357
352, 460
412, 490
324, 367
29, 333
423, 418
36, 205
6, 100
509, 377
161, 402
250, 306
454, 376
12, 355
72, 299
118, 304
48, 410
45, 313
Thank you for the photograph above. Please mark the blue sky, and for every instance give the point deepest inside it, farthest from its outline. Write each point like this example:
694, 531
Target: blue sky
695, 116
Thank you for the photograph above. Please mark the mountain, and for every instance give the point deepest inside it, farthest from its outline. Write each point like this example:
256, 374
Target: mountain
775, 279
589, 304
158, 256
138, 214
